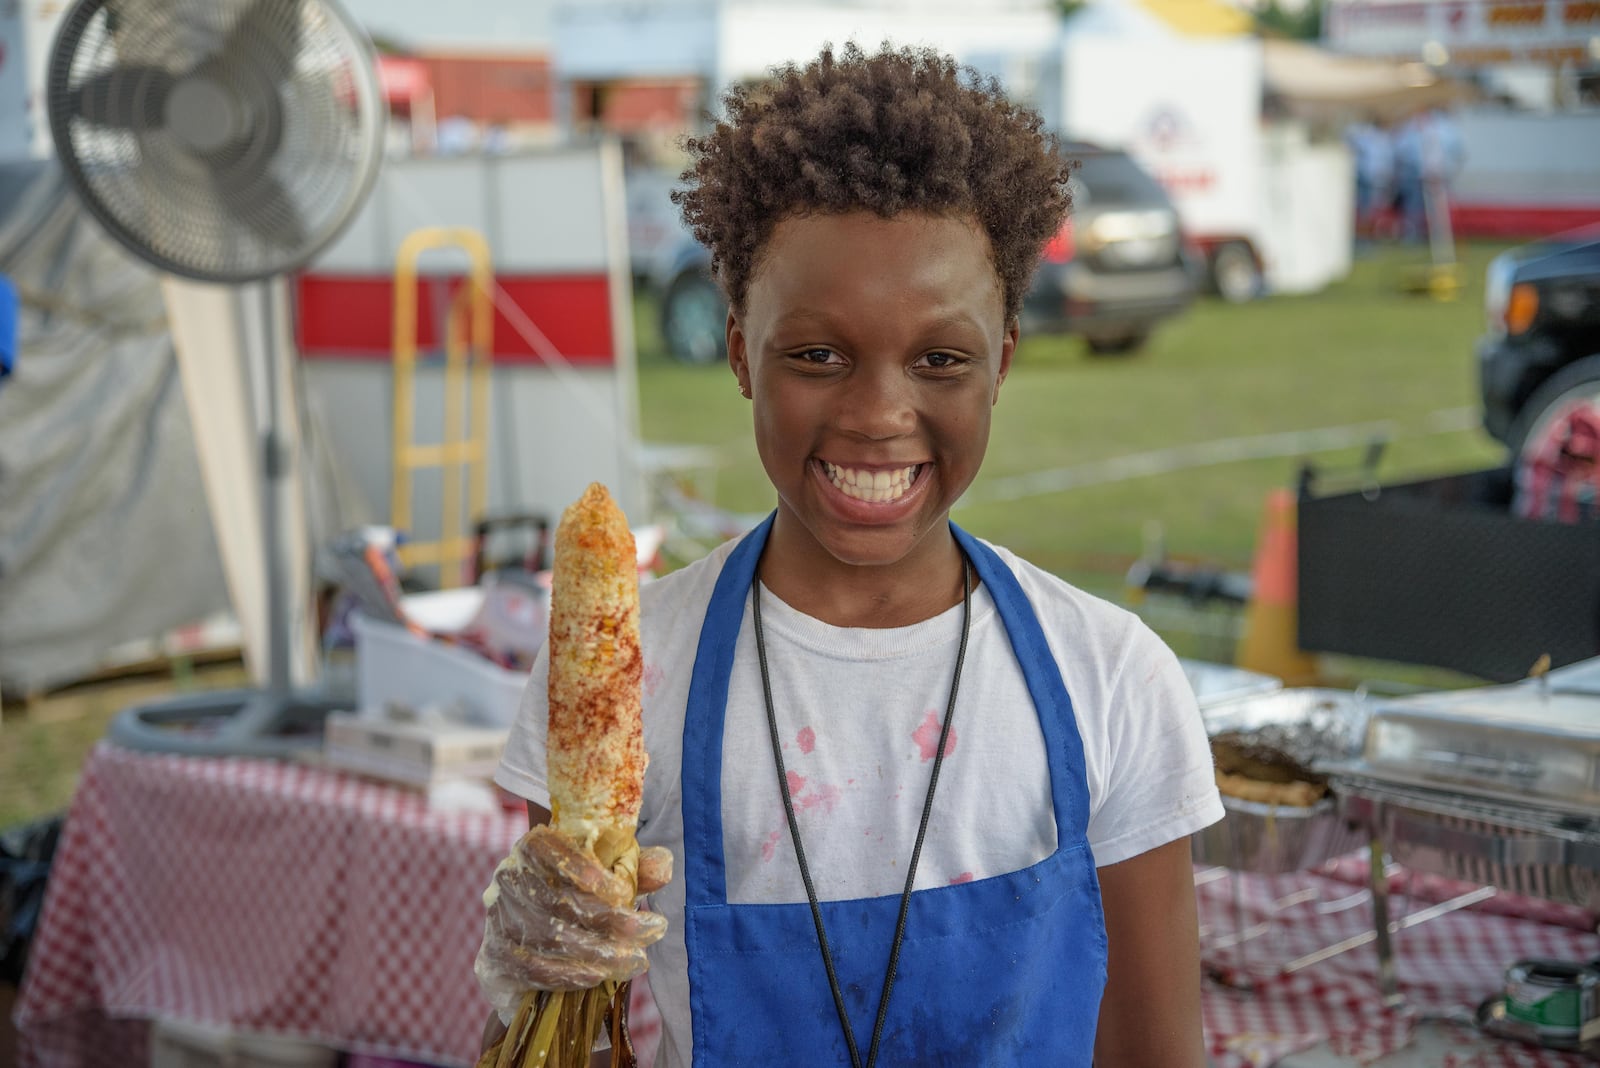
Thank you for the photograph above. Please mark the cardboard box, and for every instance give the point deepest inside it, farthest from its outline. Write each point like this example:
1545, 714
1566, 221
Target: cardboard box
412, 754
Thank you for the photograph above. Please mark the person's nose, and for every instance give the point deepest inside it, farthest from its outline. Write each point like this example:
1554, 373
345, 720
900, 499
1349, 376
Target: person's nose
879, 402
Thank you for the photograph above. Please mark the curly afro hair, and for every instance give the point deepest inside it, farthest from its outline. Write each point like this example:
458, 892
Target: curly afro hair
901, 130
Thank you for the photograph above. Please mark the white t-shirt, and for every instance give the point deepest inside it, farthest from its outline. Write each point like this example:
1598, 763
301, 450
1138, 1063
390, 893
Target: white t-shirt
859, 712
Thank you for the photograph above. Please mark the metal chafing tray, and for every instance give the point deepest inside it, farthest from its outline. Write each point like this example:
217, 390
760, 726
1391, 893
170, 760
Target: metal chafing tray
1319, 728
1528, 743
1498, 786
1582, 677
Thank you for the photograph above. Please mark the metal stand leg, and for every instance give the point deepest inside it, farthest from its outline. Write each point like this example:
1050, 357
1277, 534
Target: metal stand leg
1388, 983
1243, 945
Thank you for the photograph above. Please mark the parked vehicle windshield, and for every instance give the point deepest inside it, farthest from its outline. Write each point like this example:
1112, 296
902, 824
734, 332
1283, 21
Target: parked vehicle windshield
1112, 177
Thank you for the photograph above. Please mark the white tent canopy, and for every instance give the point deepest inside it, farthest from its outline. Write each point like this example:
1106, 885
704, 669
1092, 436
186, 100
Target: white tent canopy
1316, 83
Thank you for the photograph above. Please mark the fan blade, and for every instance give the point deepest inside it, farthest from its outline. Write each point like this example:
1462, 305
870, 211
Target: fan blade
261, 203
266, 38
127, 98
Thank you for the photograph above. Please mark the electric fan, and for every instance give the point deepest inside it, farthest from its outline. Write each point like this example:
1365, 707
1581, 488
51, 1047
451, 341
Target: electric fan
227, 141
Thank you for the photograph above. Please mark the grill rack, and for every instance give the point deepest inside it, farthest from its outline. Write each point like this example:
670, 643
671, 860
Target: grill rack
1524, 849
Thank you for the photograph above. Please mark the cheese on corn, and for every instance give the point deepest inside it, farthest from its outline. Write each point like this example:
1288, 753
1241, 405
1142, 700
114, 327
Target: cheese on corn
596, 741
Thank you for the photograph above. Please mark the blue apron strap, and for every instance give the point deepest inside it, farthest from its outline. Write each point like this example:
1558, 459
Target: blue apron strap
704, 874
1068, 787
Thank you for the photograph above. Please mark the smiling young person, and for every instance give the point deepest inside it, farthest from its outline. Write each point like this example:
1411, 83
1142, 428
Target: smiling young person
927, 803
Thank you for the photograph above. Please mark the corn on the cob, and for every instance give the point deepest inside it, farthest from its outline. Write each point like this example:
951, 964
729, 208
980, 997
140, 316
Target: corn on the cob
596, 741
595, 753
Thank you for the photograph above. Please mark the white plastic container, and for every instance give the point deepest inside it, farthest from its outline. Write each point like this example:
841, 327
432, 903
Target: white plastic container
395, 666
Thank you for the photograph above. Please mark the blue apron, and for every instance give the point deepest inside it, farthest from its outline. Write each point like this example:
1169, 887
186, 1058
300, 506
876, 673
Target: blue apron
1000, 971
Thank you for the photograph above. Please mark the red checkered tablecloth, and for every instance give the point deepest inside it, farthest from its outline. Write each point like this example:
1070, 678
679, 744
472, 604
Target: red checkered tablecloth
266, 897
285, 898
1256, 1011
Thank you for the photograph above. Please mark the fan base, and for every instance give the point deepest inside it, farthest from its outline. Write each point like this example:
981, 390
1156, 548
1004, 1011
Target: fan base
255, 723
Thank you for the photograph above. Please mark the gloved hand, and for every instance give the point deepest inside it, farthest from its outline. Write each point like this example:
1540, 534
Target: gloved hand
557, 919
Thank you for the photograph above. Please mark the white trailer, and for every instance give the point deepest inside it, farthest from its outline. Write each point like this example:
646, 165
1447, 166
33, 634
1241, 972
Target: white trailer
26, 29
1271, 210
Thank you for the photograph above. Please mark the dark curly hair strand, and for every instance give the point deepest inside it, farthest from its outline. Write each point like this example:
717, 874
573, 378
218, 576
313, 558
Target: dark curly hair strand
900, 130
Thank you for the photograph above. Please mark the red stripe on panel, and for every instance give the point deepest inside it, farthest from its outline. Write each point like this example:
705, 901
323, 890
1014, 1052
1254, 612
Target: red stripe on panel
1520, 220
344, 316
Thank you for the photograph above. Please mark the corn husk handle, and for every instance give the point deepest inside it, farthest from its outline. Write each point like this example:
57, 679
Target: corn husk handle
558, 1029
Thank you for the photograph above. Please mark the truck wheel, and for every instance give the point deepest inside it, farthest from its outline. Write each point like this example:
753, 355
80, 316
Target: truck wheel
694, 319
1551, 404
1235, 275
1117, 344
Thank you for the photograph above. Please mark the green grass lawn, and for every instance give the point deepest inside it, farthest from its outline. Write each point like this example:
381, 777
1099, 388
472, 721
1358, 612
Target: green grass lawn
1361, 352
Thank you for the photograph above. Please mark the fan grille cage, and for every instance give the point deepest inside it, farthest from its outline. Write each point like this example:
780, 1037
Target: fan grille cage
305, 113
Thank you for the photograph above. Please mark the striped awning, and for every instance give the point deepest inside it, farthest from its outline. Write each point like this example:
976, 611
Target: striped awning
1201, 18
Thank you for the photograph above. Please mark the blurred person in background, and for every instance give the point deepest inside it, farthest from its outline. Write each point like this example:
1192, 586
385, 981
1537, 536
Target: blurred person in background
1373, 150
1428, 154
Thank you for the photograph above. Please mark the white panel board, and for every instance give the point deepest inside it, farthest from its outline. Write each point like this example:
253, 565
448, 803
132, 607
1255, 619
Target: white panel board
427, 192
549, 210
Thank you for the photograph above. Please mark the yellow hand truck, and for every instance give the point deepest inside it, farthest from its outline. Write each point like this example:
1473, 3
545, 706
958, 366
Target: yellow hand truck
463, 449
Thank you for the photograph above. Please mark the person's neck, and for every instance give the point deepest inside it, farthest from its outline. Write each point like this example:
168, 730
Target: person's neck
806, 577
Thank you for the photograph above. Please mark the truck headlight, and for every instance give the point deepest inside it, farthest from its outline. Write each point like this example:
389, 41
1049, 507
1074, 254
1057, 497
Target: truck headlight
1497, 291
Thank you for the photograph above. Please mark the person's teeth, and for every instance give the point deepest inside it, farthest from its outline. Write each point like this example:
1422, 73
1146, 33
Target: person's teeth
873, 486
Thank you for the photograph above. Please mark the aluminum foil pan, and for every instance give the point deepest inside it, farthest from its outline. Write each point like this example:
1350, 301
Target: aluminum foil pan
1319, 728
1522, 848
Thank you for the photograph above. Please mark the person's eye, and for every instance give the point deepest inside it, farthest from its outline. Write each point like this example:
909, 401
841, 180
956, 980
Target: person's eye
942, 361
819, 357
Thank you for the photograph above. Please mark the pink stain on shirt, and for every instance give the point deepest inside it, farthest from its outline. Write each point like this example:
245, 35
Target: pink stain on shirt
797, 782
823, 797
807, 739
964, 877
769, 848
927, 737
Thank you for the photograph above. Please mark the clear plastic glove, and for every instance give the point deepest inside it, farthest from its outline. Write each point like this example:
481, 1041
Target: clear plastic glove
558, 919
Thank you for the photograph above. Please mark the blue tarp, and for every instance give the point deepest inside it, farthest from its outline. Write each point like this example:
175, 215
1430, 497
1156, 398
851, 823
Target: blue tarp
8, 326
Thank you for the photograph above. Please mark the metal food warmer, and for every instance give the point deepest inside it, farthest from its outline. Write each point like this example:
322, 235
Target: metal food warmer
1498, 786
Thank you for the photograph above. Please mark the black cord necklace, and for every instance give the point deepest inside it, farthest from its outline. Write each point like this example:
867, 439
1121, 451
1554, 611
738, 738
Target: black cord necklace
922, 829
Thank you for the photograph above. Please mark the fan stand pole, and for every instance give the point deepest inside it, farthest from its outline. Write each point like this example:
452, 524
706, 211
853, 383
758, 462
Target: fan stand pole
275, 720
276, 510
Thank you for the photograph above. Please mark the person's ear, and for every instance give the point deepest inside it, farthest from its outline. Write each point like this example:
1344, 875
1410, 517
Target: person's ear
1008, 349
738, 356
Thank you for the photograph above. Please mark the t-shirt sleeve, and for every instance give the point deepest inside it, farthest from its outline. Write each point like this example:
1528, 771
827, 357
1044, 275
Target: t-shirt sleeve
1160, 785
522, 765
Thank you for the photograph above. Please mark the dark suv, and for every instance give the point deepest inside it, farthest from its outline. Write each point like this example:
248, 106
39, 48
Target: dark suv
1542, 352
1117, 268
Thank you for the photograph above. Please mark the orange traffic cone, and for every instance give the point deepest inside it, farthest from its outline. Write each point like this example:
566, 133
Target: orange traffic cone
1270, 644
